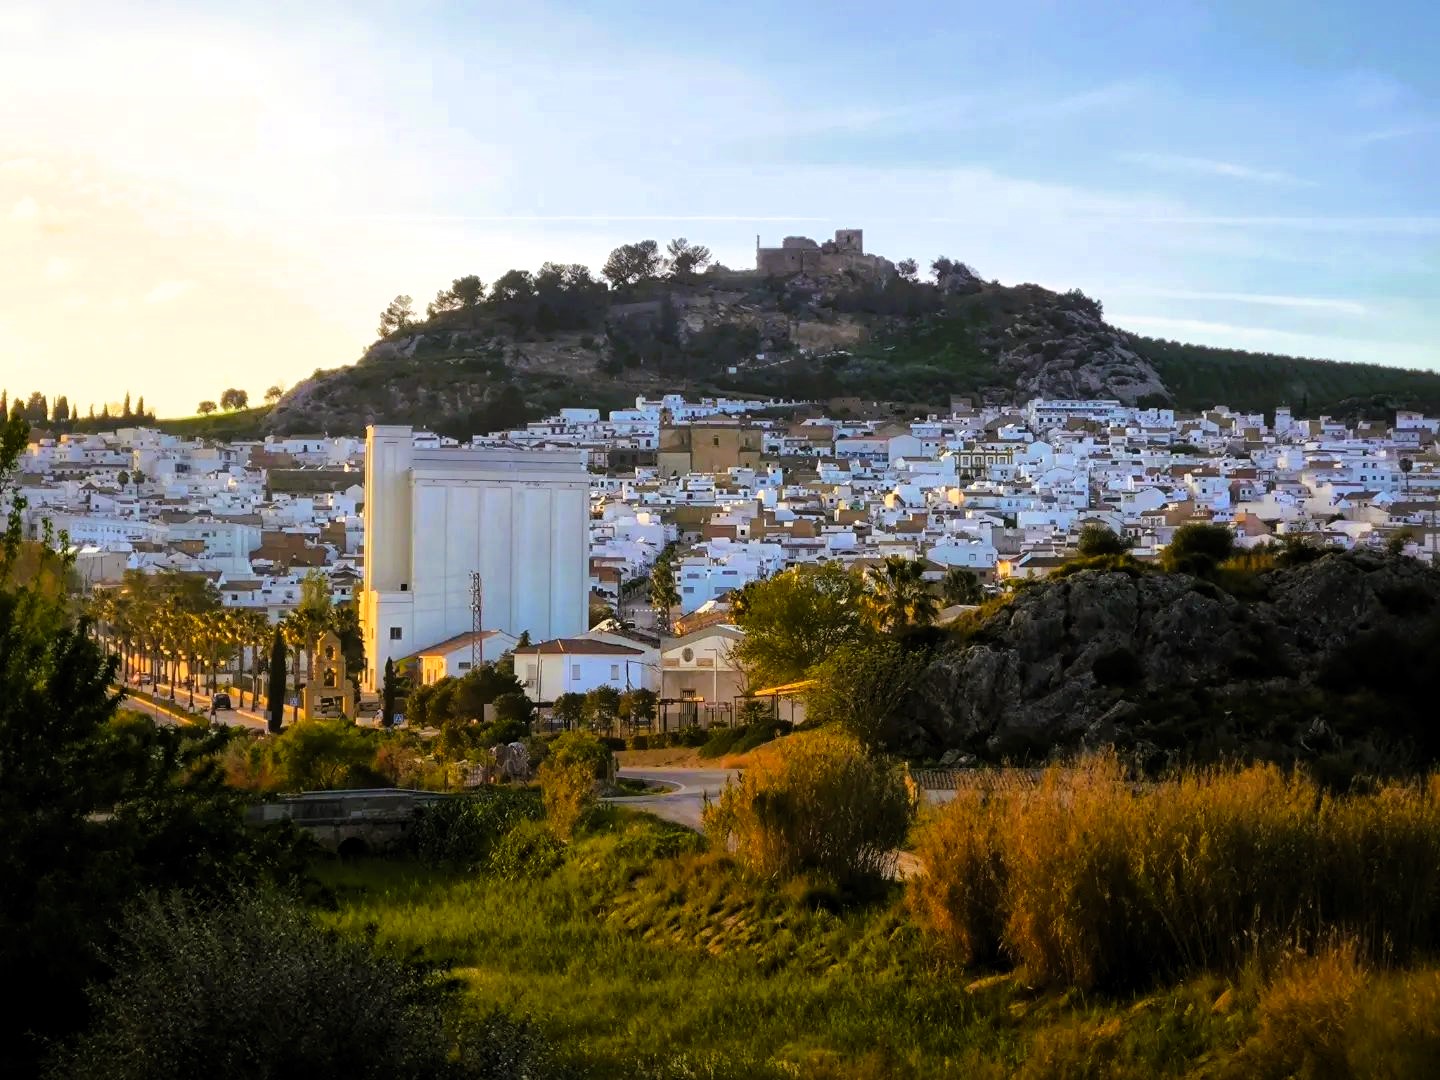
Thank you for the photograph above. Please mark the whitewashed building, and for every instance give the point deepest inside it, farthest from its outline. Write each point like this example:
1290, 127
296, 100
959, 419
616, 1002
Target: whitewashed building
434, 517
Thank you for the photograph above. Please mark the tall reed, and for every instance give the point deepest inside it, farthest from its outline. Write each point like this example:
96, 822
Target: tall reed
1089, 879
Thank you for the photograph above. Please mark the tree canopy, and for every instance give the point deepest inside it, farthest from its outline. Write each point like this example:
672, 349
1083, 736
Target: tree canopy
796, 619
629, 264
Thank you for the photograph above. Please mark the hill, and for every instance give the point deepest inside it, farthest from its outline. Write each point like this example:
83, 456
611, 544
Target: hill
535, 342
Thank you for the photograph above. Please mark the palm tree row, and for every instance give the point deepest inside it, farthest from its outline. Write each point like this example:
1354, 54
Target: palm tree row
159, 624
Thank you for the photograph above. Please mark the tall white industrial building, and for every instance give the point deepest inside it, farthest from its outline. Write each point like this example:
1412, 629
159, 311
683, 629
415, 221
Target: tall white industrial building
433, 517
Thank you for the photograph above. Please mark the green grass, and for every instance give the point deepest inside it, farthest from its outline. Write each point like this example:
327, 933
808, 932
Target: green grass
647, 957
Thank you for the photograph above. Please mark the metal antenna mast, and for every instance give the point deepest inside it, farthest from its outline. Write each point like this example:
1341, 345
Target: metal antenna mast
477, 625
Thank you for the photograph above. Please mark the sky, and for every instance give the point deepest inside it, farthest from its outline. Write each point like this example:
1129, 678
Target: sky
205, 195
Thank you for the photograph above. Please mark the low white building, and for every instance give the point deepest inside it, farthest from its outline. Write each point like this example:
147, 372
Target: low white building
700, 666
455, 656
579, 665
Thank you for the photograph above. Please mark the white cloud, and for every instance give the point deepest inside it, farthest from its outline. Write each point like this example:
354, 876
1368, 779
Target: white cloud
1398, 131
1314, 303
25, 210
1200, 166
167, 291
57, 268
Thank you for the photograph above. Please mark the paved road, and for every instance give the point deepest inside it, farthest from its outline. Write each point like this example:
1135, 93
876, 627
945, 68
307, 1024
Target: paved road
686, 802
233, 718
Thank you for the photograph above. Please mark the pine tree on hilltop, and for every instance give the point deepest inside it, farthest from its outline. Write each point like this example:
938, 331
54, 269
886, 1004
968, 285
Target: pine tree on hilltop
125, 413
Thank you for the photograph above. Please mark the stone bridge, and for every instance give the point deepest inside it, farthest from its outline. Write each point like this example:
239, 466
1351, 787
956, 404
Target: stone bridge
348, 822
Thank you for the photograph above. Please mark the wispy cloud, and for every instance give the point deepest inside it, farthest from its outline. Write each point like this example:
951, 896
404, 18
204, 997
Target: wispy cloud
1100, 97
1200, 166
25, 209
1410, 130
1304, 303
1389, 226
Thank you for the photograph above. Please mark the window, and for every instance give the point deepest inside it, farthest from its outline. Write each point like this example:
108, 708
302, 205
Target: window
464, 665
394, 633
717, 440
575, 672
615, 671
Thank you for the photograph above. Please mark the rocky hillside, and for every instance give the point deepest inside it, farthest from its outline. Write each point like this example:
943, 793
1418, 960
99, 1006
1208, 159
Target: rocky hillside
562, 338
1334, 660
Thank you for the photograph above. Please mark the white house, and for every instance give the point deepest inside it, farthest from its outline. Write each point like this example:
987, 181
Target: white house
579, 665
455, 656
700, 666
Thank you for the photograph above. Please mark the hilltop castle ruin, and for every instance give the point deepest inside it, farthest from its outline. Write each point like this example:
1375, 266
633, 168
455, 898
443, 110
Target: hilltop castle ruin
801, 255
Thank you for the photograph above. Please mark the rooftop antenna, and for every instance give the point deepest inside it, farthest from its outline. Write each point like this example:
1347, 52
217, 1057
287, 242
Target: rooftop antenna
477, 596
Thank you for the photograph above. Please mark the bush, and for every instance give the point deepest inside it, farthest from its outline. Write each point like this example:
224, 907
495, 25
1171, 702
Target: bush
640, 742
321, 755
820, 802
1085, 880
1326, 1016
530, 850
463, 829
1197, 549
255, 989
582, 747
568, 789
719, 742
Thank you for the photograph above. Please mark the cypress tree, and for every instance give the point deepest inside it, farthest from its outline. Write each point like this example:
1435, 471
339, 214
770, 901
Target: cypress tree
275, 695
387, 692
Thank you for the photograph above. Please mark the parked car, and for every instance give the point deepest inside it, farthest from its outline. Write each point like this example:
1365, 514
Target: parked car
221, 702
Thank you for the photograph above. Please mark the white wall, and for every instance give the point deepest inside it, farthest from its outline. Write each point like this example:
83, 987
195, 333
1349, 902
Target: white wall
432, 517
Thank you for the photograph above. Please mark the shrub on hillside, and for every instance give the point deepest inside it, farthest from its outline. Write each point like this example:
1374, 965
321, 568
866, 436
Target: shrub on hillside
568, 790
820, 801
464, 829
1197, 549
255, 989
1086, 880
581, 747
530, 850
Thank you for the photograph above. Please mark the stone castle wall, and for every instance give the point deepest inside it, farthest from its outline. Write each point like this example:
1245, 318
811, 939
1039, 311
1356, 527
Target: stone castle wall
802, 255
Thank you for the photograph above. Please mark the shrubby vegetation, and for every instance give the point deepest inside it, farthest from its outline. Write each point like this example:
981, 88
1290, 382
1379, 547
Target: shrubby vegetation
1086, 880
820, 802
253, 988
463, 831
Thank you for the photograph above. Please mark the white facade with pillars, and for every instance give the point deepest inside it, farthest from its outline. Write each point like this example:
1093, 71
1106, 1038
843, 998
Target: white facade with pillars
434, 516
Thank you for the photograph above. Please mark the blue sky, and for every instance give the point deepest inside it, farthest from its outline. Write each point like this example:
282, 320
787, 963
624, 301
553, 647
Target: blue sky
204, 195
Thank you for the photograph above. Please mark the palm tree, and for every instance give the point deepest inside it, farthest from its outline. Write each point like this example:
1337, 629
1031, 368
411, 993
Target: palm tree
295, 630
252, 631
897, 595
961, 586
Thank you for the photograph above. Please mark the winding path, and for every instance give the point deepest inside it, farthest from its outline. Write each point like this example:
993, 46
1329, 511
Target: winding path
686, 802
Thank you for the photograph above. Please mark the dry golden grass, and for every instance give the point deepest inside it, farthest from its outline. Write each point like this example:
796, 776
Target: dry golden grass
818, 801
1086, 879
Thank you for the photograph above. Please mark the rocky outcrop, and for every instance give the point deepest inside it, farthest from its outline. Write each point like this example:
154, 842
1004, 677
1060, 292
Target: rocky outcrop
1165, 663
1061, 348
